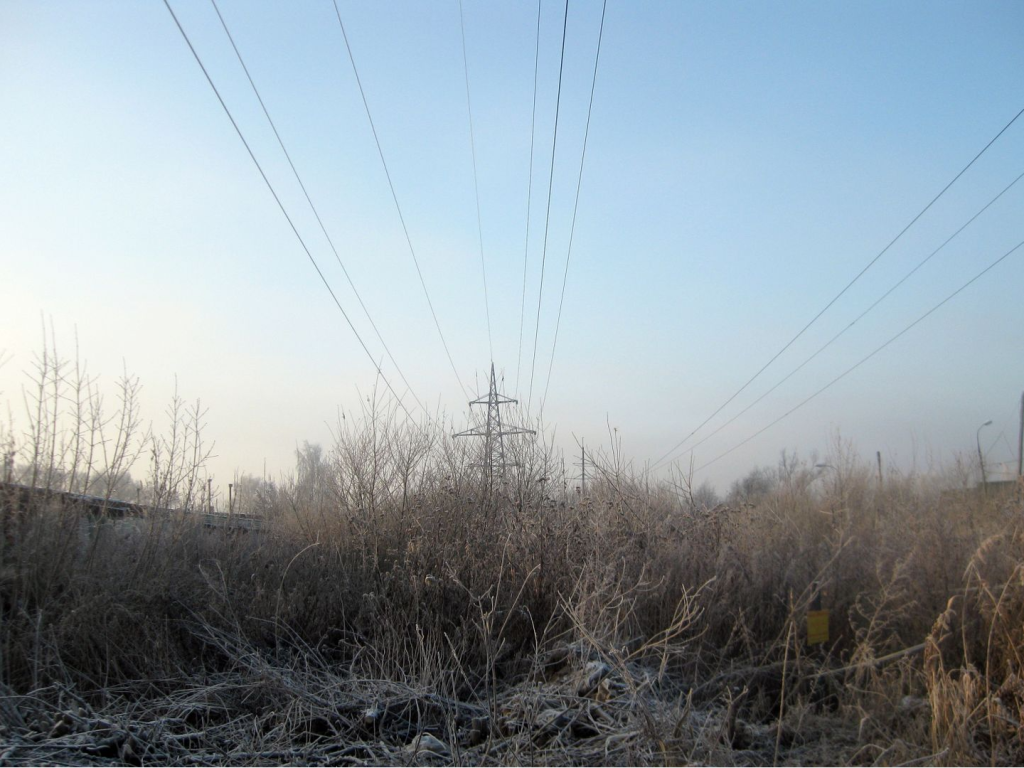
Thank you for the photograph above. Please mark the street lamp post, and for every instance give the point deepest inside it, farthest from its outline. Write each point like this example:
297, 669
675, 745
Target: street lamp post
981, 457
829, 466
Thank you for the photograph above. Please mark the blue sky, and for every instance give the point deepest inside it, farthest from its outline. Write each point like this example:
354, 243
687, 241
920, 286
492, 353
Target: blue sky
745, 161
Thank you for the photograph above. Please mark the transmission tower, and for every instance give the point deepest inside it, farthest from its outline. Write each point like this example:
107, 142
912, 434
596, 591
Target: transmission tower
494, 432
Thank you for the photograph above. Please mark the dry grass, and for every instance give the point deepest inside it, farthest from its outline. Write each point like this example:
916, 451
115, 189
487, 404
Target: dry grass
395, 611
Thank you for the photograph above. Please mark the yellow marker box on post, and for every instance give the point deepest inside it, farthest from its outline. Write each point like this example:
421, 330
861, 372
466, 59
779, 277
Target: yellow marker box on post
817, 627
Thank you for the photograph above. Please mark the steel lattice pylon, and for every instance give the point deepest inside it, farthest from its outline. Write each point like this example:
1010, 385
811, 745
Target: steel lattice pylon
493, 432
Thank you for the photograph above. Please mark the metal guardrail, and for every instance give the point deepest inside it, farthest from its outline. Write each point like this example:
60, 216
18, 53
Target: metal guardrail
239, 522
25, 495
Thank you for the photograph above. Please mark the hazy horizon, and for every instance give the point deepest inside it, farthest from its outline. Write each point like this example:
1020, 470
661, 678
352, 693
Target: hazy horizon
743, 164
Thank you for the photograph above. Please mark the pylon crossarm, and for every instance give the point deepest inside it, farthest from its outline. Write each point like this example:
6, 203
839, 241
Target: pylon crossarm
498, 400
482, 432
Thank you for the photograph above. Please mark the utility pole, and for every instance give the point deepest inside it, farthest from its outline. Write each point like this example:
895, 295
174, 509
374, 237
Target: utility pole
1020, 442
209, 495
583, 469
878, 455
494, 432
231, 498
981, 457
582, 464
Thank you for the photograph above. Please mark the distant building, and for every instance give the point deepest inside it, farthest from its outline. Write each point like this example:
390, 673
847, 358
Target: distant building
1001, 477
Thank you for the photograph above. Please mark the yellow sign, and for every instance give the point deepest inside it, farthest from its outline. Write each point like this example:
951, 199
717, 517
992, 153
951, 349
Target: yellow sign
817, 627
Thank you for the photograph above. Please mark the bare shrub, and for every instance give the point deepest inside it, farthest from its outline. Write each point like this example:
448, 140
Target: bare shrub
393, 595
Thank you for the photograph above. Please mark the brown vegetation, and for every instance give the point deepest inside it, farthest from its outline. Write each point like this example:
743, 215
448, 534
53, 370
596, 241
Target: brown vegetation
394, 610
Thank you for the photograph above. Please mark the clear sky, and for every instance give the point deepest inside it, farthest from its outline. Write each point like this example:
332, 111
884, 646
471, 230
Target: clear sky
745, 162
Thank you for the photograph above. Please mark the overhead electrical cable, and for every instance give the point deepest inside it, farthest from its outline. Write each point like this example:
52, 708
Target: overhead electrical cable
853, 322
280, 205
843, 291
866, 357
547, 217
529, 199
398, 207
312, 207
575, 206
476, 183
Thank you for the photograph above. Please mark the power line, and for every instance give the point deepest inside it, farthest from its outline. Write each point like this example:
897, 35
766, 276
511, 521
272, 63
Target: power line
547, 218
529, 198
280, 205
394, 196
853, 322
476, 184
866, 357
844, 290
575, 207
312, 207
